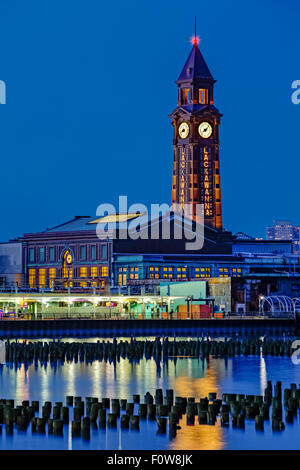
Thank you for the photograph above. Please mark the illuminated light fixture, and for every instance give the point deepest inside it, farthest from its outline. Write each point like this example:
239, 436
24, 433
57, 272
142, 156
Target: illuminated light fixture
116, 218
195, 40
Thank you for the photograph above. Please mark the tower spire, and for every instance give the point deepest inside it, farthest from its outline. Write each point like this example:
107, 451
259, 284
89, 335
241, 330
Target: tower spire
195, 39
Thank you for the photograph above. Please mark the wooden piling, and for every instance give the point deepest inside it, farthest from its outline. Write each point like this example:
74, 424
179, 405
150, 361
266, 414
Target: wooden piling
134, 423
162, 425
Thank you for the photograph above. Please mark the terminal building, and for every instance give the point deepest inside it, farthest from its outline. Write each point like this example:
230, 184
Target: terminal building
72, 256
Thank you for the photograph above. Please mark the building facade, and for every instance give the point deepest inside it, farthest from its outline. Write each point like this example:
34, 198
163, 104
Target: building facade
69, 255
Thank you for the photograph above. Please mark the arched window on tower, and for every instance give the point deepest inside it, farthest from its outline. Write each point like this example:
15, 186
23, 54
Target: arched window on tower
203, 96
185, 96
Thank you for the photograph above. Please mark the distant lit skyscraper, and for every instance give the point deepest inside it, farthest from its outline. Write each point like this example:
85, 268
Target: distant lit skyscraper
284, 230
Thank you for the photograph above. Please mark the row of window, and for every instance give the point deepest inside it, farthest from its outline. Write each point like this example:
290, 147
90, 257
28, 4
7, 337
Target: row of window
169, 272
38, 277
186, 96
86, 252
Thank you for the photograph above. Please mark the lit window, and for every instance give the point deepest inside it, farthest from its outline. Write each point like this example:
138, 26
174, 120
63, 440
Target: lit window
94, 271
185, 95
104, 271
31, 277
52, 274
203, 96
42, 277
83, 273
122, 280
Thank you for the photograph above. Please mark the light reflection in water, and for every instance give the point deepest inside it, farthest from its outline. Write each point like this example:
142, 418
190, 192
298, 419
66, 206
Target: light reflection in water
263, 374
204, 437
187, 376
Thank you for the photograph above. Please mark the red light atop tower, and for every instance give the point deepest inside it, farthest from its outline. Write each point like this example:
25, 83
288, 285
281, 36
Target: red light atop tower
195, 40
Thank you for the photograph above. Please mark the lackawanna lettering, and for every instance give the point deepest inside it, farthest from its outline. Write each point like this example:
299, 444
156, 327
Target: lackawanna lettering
119, 460
207, 183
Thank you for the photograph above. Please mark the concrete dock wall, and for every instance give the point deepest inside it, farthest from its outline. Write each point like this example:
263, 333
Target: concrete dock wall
108, 328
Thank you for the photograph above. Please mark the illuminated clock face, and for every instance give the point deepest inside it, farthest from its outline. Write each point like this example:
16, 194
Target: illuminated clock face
205, 130
183, 130
69, 259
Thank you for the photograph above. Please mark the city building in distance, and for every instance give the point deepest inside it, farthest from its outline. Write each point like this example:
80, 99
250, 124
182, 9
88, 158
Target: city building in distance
284, 230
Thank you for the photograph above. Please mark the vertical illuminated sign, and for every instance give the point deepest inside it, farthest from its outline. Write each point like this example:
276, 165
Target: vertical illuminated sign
182, 177
207, 178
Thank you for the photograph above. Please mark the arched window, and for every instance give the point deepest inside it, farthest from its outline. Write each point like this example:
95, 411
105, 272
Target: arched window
67, 267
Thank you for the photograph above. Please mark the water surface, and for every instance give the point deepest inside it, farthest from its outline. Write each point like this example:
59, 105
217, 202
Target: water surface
187, 376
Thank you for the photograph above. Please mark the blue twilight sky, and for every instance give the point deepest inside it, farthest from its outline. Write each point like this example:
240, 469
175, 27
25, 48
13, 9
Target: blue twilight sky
90, 86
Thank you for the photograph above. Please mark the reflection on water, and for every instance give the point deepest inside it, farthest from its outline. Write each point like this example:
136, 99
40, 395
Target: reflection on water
203, 437
188, 377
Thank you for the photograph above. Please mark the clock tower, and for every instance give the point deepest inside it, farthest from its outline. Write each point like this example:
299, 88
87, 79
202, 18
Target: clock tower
196, 169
